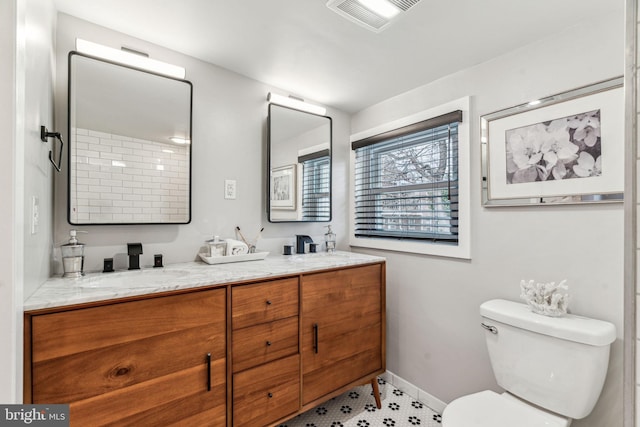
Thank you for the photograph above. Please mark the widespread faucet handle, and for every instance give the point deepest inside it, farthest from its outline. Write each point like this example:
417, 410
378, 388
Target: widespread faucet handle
134, 248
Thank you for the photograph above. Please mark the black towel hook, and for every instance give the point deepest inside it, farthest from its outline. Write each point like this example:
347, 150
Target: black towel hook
44, 134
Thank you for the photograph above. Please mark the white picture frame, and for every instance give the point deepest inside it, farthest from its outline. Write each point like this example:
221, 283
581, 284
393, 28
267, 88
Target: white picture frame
283, 187
565, 148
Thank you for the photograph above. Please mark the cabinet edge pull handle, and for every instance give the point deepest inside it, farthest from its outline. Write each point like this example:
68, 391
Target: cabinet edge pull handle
268, 343
208, 371
315, 338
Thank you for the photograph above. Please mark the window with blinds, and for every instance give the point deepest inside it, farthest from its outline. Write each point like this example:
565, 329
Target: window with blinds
316, 186
406, 182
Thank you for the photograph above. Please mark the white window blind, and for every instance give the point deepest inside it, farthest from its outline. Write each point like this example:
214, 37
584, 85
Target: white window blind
406, 182
316, 186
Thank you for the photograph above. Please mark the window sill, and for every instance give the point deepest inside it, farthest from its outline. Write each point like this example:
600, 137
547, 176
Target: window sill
461, 250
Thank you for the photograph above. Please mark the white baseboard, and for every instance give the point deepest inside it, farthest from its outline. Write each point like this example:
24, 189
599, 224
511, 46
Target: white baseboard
421, 395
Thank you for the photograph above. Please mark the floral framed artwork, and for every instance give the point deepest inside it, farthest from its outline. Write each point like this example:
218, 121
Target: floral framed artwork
283, 187
565, 148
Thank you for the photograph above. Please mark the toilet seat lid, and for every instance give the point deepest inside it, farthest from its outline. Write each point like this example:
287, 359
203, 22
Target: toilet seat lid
490, 409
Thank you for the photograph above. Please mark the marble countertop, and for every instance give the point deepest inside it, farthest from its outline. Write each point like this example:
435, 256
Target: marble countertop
58, 291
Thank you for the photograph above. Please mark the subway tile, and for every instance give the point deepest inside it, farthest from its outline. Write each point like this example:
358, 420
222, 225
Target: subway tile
111, 183
111, 210
99, 148
122, 150
121, 190
111, 156
97, 189
122, 203
100, 217
132, 158
99, 134
131, 210
111, 196
122, 137
99, 175
100, 202
88, 181
86, 139
111, 142
131, 184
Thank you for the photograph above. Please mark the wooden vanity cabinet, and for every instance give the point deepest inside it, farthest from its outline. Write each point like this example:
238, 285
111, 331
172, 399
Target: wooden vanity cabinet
265, 352
156, 361
242, 354
343, 330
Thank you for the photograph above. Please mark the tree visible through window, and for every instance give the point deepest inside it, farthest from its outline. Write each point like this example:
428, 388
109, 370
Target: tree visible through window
406, 183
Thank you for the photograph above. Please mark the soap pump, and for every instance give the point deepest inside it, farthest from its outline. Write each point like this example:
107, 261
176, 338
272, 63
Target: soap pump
330, 240
73, 256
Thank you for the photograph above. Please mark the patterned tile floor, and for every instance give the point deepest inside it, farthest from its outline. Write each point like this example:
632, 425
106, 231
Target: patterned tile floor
357, 408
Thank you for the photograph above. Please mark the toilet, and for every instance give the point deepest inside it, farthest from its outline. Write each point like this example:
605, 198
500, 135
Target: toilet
552, 369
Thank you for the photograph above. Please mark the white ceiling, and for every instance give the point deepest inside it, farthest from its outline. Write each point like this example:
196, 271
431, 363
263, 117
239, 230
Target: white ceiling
302, 47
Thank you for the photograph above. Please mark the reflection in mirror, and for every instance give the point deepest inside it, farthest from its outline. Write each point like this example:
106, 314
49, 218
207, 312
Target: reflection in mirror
299, 167
129, 145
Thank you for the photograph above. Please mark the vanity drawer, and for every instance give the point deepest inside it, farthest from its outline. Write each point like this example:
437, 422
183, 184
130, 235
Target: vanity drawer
263, 302
263, 343
266, 393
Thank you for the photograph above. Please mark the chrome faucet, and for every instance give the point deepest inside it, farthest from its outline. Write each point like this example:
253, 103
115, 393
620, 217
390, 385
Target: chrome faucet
134, 250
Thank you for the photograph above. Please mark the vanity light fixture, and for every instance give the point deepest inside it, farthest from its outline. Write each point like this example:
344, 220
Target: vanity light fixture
125, 57
297, 103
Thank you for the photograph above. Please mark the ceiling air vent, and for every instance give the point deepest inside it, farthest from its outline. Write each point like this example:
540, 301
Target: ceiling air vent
374, 15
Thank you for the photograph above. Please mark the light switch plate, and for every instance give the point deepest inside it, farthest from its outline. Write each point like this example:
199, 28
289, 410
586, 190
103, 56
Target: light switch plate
35, 214
230, 189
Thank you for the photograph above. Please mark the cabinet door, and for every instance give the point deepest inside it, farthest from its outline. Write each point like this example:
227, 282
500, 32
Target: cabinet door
158, 361
341, 328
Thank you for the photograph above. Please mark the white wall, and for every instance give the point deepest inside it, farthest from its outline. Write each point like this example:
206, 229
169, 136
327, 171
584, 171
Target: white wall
229, 142
434, 340
633, 238
26, 94
40, 18
10, 296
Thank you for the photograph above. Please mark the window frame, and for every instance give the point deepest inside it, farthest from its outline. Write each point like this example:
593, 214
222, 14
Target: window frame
317, 161
439, 248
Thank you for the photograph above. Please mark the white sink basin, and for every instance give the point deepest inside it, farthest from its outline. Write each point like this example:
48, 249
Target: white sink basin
135, 279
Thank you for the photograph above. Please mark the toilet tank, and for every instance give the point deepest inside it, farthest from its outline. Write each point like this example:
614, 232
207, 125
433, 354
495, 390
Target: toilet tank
558, 363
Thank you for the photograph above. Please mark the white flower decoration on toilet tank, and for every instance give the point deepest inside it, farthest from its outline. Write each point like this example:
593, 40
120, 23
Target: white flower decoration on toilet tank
546, 298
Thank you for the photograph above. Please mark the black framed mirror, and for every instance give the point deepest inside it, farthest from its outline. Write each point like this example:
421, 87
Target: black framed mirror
299, 165
129, 134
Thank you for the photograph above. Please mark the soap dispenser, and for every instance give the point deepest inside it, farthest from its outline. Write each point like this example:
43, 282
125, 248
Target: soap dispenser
330, 240
73, 256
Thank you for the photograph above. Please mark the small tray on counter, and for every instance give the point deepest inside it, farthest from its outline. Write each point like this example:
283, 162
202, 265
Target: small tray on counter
233, 258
